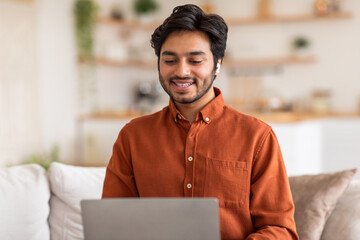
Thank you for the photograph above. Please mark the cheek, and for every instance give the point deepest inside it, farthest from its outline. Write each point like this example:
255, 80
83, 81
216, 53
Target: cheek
203, 72
164, 71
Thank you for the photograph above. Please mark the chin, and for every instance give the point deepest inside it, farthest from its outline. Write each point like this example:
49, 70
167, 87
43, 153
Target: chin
185, 100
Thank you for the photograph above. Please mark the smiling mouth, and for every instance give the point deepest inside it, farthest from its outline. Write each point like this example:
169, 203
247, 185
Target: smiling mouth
183, 84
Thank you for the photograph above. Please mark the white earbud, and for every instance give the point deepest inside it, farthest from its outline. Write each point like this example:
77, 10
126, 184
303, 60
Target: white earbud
218, 66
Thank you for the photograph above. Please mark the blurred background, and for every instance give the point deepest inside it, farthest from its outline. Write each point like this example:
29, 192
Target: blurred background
73, 72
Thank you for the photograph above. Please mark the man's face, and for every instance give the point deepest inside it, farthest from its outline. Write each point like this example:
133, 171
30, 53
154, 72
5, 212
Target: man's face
186, 66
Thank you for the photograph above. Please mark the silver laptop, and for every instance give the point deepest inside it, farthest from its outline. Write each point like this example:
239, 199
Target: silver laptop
151, 218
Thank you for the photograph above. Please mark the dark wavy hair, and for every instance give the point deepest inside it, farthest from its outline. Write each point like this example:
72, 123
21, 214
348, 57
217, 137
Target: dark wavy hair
191, 17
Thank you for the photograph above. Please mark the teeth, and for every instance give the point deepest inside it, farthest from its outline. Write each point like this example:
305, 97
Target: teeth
183, 84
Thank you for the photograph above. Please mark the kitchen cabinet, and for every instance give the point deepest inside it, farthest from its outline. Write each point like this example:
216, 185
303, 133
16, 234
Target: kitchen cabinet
322, 145
301, 145
97, 137
341, 143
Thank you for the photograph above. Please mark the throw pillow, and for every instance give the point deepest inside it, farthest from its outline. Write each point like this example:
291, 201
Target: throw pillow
315, 197
70, 185
344, 222
24, 203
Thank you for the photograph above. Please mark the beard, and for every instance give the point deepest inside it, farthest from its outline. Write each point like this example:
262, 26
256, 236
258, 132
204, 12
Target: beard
202, 87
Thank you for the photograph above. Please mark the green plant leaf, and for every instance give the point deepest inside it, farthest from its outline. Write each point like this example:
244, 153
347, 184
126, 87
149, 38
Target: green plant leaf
85, 20
144, 6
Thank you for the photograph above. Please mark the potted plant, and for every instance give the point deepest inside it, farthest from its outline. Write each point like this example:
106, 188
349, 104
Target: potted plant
85, 19
44, 159
144, 8
300, 46
85, 12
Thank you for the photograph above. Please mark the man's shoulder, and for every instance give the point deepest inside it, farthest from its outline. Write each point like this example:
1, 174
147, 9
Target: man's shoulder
148, 120
244, 120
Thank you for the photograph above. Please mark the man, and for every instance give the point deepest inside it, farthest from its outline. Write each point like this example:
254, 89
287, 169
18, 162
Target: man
199, 147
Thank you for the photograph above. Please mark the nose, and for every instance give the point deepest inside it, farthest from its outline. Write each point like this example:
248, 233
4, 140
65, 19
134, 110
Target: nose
182, 69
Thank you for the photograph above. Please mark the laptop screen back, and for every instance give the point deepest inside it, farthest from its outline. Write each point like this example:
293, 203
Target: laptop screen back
151, 218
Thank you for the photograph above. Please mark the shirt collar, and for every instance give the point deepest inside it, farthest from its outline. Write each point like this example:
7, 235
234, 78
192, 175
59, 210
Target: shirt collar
208, 113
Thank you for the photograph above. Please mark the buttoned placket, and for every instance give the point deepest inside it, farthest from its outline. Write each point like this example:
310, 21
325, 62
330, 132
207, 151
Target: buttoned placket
190, 161
190, 150
190, 156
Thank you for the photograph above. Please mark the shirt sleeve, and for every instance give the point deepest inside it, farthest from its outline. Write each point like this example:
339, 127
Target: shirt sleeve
271, 204
119, 178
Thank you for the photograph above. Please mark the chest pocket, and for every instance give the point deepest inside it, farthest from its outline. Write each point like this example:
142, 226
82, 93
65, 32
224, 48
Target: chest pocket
228, 181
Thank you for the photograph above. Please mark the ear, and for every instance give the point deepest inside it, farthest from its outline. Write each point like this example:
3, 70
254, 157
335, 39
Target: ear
218, 66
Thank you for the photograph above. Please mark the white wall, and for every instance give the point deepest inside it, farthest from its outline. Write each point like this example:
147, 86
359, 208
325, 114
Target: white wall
57, 76
37, 80
19, 105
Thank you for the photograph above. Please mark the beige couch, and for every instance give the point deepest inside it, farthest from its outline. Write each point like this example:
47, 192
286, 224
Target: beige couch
40, 205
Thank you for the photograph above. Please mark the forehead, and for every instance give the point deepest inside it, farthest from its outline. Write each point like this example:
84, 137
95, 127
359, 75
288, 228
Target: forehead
184, 42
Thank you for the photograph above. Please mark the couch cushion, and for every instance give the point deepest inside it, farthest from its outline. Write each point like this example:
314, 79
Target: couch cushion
69, 185
24, 203
344, 222
315, 197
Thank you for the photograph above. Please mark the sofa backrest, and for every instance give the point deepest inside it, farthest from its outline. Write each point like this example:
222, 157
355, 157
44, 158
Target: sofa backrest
344, 222
315, 198
24, 198
25, 195
69, 185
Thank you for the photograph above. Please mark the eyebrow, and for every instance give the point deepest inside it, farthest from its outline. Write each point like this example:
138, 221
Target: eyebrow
168, 53
194, 53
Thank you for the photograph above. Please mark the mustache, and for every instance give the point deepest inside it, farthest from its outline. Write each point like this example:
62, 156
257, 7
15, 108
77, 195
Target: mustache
182, 78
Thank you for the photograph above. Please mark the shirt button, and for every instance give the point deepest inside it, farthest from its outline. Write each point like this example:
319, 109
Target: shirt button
190, 159
189, 185
207, 119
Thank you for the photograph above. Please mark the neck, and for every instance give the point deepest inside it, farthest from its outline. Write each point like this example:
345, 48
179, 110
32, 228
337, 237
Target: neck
190, 110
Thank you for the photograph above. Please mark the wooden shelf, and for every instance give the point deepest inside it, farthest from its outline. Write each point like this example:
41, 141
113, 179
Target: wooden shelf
280, 117
289, 117
127, 63
267, 62
109, 115
289, 19
129, 24
236, 21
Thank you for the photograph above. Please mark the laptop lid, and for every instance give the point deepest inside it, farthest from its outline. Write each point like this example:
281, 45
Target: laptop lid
151, 218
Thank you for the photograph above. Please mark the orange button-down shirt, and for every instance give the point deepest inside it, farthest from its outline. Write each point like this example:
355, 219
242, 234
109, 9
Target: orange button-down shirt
223, 153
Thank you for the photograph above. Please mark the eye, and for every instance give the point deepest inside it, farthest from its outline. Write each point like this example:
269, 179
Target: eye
169, 61
195, 61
